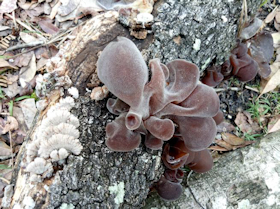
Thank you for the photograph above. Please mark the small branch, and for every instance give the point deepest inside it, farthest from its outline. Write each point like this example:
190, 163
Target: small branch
226, 89
252, 89
20, 46
11, 146
189, 175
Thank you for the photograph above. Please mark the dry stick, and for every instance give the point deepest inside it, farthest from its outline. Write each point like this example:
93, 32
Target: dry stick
189, 175
11, 146
20, 46
252, 89
226, 89
14, 19
5, 180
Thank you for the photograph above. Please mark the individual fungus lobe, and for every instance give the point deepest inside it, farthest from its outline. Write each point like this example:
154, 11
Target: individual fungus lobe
169, 186
243, 66
219, 117
213, 76
197, 132
261, 50
153, 142
202, 162
176, 154
119, 138
123, 70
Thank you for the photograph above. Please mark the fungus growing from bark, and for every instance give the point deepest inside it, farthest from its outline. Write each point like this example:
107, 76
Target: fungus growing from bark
173, 94
54, 140
172, 97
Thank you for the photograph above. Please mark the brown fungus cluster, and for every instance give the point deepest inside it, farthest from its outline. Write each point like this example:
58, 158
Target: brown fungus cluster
173, 97
244, 62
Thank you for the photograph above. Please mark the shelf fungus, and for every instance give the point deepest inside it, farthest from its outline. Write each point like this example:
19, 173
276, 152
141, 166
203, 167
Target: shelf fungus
54, 140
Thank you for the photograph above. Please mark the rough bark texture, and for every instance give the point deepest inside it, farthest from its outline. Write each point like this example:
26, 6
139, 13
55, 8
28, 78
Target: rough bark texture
197, 30
245, 178
99, 178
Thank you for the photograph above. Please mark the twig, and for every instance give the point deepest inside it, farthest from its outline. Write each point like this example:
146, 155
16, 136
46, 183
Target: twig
11, 146
20, 46
226, 89
252, 89
189, 175
5, 180
14, 19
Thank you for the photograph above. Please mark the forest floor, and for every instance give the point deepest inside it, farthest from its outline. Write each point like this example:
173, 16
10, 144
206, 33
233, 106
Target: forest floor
31, 34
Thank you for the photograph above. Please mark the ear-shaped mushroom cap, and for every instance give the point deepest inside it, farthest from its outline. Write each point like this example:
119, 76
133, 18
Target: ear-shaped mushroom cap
181, 81
160, 128
167, 189
202, 102
175, 154
119, 138
152, 142
213, 76
123, 70
244, 67
202, 162
219, 117
197, 133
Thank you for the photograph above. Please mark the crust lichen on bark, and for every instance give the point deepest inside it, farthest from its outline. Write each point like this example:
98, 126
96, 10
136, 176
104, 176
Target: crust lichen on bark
197, 30
245, 178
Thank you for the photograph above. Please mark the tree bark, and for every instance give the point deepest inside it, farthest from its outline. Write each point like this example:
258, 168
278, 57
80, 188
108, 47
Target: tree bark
100, 178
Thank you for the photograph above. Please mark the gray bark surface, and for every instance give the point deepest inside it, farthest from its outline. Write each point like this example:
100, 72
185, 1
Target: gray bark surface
180, 24
100, 178
244, 178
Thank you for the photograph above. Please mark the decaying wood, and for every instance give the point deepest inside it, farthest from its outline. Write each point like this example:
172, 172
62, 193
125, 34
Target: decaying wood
100, 178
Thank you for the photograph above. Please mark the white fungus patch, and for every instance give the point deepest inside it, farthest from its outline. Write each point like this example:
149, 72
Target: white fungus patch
28, 202
74, 92
54, 140
118, 190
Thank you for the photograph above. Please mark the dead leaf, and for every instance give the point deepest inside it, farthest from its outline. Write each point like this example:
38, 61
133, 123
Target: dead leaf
276, 38
67, 7
48, 27
28, 73
224, 144
29, 110
274, 124
5, 64
272, 83
246, 124
27, 38
11, 125
24, 59
225, 127
8, 6
54, 9
244, 145
5, 150
12, 90
232, 139
218, 148
271, 15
